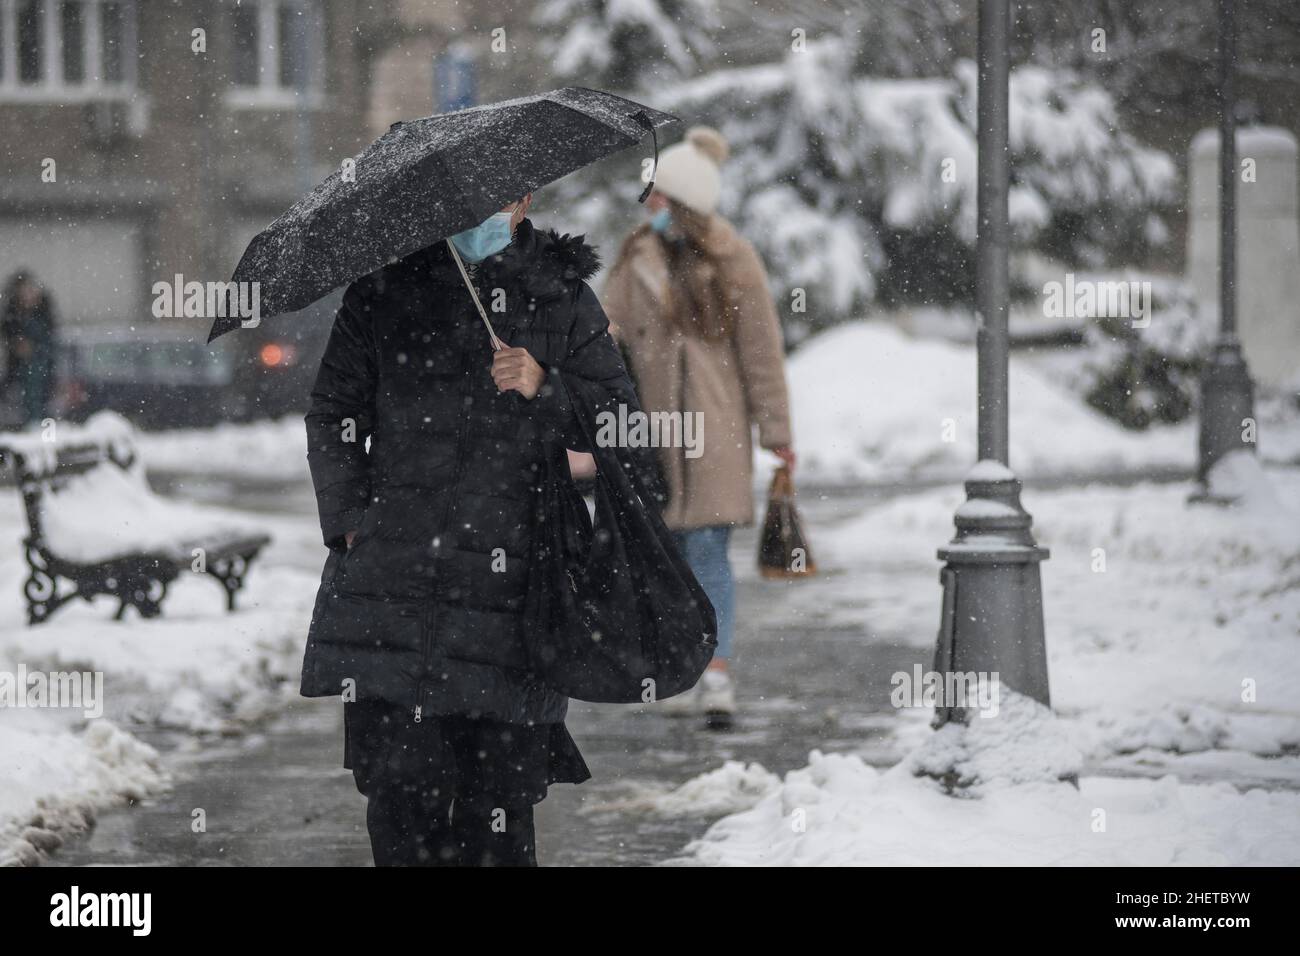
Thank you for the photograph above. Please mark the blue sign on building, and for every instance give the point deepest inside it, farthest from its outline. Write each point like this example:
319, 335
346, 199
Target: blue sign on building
454, 85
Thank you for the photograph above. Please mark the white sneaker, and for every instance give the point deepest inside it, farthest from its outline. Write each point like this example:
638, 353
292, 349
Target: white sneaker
717, 697
685, 704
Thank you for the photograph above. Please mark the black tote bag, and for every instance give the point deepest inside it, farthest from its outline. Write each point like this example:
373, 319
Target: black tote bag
614, 613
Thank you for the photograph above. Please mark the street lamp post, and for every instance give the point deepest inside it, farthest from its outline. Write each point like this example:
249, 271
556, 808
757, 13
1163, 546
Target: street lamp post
992, 619
1227, 392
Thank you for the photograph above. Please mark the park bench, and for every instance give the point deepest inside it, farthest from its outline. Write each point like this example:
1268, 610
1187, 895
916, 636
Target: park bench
95, 527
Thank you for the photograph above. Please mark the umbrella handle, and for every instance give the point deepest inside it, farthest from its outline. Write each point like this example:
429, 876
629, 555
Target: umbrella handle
644, 120
497, 344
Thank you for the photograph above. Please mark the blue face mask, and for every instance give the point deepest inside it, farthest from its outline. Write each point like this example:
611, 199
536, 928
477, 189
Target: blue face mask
661, 220
487, 238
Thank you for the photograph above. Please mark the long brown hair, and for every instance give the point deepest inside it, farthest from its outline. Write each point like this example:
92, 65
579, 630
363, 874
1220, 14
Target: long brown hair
697, 303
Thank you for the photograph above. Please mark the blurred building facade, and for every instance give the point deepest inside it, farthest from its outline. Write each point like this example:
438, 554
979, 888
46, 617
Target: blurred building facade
438, 58
148, 138
137, 149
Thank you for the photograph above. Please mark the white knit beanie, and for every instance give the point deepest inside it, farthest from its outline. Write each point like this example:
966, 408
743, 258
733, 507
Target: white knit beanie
688, 171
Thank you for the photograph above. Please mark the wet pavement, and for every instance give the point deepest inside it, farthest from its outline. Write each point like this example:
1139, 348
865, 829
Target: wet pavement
279, 795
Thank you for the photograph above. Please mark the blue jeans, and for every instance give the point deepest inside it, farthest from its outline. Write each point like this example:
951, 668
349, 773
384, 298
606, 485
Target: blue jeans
705, 550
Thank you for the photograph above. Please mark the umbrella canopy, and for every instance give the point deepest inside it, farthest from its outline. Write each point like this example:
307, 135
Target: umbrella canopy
427, 179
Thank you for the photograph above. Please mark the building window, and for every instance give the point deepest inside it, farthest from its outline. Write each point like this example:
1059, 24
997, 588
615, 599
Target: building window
74, 41
67, 49
114, 41
277, 51
295, 39
244, 62
31, 65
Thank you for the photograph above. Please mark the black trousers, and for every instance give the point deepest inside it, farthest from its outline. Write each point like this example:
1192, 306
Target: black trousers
409, 826
453, 790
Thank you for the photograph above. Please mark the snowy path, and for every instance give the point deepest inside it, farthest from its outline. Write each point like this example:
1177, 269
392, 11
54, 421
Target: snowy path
279, 795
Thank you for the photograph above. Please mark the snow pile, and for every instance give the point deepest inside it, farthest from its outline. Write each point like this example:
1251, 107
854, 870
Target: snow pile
272, 450
871, 404
195, 668
838, 811
1173, 637
107, 512
1239, 476
1185, 728
54, 780
732, 787
1022, 744
40, 446
1149, 603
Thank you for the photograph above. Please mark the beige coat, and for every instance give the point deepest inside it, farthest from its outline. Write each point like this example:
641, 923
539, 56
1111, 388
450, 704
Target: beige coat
735, 383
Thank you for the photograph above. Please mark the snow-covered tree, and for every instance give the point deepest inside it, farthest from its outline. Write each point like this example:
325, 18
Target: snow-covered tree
859, 188
908, 39
625, 44
1158, 58
854, 186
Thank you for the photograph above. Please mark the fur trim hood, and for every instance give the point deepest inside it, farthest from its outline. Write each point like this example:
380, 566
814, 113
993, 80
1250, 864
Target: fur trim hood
543, 264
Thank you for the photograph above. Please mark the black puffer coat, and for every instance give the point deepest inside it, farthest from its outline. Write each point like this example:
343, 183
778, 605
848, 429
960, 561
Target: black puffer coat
425, 608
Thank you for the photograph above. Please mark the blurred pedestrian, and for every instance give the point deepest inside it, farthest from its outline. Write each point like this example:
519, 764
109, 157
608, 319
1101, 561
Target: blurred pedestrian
27, 329
688, 298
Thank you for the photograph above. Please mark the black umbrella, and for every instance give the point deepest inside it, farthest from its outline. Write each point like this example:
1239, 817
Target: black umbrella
428, 179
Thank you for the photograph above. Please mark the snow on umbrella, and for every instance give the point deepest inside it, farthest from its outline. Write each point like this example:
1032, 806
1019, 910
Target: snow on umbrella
427, 179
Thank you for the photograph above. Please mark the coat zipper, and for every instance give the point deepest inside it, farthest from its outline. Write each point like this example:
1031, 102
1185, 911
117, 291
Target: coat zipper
466, 390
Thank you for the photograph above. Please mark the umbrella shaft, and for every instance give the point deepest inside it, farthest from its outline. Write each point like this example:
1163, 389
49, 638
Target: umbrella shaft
497, 345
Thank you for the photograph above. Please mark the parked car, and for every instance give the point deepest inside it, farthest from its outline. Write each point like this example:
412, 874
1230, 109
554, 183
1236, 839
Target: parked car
166, 376
157, 377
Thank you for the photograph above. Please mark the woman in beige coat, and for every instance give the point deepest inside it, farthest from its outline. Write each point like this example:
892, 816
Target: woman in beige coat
688, 299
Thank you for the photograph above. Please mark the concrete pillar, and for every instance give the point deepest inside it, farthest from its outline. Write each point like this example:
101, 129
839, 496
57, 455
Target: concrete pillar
1268, 247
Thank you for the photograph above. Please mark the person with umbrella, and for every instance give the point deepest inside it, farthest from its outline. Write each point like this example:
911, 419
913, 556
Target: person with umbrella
432, 432
430, 531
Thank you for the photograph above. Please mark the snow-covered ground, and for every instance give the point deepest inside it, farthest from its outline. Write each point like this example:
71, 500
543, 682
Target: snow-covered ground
1173, 637
840, 812
195, 669
57, 776
872, 404
274, 450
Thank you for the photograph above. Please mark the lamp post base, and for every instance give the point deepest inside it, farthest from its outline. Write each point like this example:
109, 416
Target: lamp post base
1227, 414
992, 619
